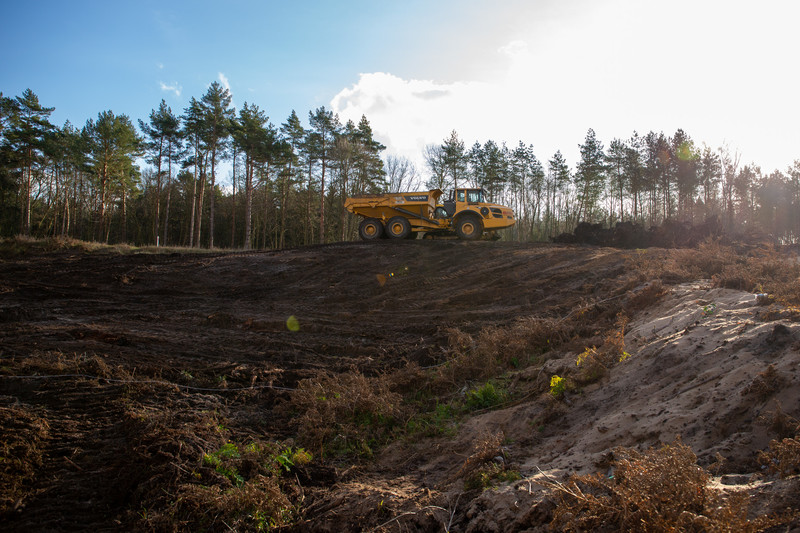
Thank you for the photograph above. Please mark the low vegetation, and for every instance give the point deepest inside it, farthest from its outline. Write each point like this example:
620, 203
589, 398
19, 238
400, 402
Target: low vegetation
20, 245
659, 489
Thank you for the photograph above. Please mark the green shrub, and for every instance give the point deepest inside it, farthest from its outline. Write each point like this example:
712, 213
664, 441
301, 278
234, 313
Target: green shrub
558, 385
485, 397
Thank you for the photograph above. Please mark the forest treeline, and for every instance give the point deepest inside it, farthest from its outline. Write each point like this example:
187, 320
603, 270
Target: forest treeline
160, 181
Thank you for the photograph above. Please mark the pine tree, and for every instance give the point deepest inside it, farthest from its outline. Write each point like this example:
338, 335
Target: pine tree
634, 172
113, 144
254, 140
216, 105
489, 167
683, 165
618, 177
455, 158
371, 176
324, 127
28, 126
193, 130
293, 132
528, 187
590, 176
162, 134
709, 175
730, 167
559, 178
658, 176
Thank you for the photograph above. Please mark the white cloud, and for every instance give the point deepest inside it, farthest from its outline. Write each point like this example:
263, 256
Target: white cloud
407, 115
719, 70
173, 88
223, 79
515, 49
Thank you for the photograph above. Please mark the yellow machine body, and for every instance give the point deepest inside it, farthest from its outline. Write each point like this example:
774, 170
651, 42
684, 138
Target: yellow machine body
405, 215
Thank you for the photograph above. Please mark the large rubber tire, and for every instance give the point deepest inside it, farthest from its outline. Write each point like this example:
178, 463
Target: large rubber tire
398, 228
469, 227
370, 229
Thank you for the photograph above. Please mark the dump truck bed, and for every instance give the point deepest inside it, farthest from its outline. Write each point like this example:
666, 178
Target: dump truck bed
417, 207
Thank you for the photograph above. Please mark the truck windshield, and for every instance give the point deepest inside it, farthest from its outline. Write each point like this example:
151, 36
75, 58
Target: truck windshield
475, 196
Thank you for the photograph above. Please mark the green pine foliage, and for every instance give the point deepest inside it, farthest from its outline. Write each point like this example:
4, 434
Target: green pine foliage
217, 176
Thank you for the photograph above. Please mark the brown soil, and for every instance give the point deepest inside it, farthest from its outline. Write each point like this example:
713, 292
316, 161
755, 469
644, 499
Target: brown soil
115, 370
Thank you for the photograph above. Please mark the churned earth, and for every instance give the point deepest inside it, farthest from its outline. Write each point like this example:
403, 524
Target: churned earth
120, 372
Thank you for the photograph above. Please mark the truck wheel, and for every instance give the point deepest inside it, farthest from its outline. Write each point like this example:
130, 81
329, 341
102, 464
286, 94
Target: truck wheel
370, 229
398, 228
469, 227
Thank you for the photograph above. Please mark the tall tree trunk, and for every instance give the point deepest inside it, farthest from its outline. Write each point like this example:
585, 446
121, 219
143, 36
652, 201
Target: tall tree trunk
344, 211
233, 203
248, 202
157, 218
322, 206
28, 186
124, 217
194, 199
309, 236
266, 208
166, 202
199, 216
211, 200
103, 180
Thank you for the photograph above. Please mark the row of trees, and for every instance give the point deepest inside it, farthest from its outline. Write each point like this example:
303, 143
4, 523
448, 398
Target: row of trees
644, 179
285, 186
283, 182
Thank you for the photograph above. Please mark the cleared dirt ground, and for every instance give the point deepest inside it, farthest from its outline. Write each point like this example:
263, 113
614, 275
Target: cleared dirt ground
120, 372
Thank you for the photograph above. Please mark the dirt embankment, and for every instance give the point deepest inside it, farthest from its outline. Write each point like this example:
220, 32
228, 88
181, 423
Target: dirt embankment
124, 377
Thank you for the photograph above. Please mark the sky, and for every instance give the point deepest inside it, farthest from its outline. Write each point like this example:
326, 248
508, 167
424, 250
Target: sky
542, 72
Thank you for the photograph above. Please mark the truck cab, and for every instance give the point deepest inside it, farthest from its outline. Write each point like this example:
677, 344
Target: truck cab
471, 214
460, 198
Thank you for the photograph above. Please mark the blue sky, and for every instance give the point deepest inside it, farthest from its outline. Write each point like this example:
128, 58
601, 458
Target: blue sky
540, 71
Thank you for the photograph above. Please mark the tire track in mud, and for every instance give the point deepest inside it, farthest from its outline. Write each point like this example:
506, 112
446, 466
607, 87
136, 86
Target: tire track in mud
76, 488
211, 315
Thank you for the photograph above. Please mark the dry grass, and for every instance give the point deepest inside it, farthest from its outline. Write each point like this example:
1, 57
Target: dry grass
756, 269
496, 350
656, 490
258, 505
645, 297
485, 449
185, 473
765, 384
594, 362
783, 457
781, 424
61, 363
22, 245
23, 435
345, 413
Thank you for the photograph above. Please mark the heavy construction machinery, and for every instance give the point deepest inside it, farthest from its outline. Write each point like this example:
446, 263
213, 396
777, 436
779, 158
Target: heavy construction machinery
405, 215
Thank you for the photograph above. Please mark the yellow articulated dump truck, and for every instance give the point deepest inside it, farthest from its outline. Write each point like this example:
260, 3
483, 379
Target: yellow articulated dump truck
404, 215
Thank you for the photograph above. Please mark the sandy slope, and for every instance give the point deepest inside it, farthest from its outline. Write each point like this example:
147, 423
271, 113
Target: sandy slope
695, 371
